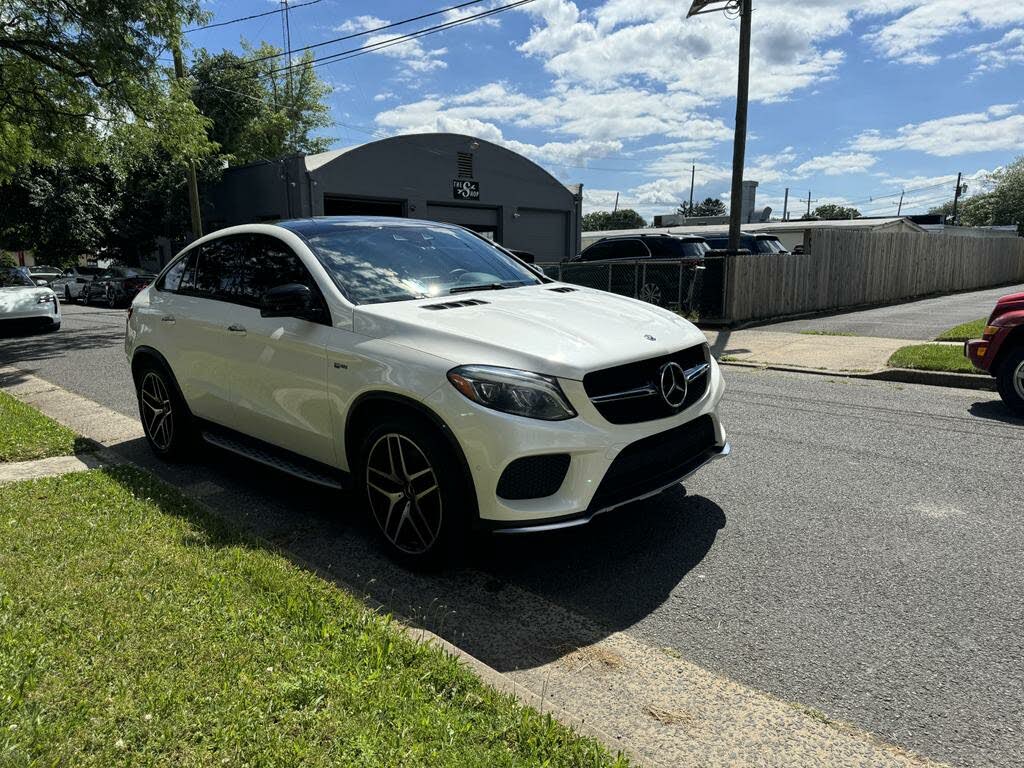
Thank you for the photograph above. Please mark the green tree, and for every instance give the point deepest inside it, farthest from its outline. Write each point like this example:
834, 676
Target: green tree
1002, 206
709, 206
832, 212
624, 218
59, 211
258, 112
81, 82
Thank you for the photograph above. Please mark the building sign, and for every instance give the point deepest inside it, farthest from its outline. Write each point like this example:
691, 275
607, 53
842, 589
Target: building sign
465, 189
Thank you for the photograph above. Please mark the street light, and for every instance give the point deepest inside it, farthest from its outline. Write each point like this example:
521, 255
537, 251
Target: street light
734, 8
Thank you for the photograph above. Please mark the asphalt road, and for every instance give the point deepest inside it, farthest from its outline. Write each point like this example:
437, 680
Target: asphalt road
923, 320
859, 553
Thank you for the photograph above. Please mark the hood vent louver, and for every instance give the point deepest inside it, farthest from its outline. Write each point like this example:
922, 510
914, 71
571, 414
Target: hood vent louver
455, 304
562, 289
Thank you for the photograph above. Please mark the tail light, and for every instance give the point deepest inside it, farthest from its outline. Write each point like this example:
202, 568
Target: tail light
135, 284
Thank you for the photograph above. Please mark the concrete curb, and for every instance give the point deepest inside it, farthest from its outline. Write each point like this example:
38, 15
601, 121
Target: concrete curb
901, 375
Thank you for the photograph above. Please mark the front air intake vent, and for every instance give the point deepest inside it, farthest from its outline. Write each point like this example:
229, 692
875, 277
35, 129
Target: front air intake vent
464, 164
562, 289
455, 304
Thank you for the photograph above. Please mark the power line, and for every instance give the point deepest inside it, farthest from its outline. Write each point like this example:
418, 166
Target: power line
364, 32
374, 47
247, 18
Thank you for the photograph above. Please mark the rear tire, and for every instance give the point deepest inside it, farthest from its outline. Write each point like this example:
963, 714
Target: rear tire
1010, 380
415, 492
166, 420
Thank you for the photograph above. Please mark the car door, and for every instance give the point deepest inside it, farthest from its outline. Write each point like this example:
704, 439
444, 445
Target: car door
280, 374
191, 322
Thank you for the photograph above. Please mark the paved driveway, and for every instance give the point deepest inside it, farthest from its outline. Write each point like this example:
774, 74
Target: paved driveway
846, 557
923, 320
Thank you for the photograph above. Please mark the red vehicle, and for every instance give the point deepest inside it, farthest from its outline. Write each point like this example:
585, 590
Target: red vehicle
1000, 351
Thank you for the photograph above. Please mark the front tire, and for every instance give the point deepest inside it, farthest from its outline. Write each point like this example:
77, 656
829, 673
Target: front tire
415, 492
165, 418
1010, 380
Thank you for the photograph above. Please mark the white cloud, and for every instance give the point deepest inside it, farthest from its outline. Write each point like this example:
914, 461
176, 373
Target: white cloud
1009, 49
835, 164
384, 96
993, 130
926, 22
411, 53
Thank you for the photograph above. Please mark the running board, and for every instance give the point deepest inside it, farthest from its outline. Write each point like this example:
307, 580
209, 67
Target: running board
269, 456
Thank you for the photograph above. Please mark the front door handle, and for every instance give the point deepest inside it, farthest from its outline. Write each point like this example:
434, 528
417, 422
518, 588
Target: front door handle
167, 319
236, 328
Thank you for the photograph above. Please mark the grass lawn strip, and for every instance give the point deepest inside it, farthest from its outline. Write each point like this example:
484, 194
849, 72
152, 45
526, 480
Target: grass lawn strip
932, 357
26, 434
137, 629
964, 331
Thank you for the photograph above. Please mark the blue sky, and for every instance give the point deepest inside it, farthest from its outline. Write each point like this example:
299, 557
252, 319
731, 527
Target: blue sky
853, 101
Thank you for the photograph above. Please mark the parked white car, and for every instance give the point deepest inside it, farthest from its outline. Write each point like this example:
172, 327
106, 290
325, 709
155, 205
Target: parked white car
445, 381
71, 284
23, 304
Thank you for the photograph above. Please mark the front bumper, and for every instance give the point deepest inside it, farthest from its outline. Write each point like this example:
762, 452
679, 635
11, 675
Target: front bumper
41, 316
491, 441
979, 353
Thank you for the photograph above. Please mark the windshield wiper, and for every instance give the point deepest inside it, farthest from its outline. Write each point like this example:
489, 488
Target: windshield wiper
486, 287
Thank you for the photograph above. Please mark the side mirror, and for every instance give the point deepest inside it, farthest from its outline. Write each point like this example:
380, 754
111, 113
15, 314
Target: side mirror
289, 300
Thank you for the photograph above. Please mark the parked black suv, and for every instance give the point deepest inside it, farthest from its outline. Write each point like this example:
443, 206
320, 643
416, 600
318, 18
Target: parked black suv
669, 284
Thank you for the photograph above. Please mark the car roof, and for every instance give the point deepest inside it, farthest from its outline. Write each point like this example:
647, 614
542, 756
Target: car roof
316, 225
651, 236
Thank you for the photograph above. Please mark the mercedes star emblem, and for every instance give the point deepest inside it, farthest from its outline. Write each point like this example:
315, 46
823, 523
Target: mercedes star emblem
649, 337
673, 384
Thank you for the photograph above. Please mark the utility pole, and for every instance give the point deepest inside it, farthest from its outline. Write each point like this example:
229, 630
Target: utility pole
693, 176
739, 150
899, 211
785, 207
809, 203
193, 182
616, 208
956, 200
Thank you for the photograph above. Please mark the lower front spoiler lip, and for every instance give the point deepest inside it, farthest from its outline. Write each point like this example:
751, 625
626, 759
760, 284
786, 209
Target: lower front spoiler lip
713, 454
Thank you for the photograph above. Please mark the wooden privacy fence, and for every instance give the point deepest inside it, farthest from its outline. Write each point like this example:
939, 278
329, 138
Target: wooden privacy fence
848, 269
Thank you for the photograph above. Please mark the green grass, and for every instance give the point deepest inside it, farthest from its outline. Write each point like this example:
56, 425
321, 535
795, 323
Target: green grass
964, 331
932, 357
26, 434
827, 333
137, 630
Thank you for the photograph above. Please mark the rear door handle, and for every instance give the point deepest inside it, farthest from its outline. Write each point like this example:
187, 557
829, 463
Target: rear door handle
236, 328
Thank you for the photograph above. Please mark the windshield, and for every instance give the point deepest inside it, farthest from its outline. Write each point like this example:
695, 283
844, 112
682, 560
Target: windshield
9, 278
769, 245
372, 264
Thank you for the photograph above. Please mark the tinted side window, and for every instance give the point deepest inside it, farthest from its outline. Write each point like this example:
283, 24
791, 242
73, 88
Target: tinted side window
179, 277
272, 263
597, 252
219, 268
631, 249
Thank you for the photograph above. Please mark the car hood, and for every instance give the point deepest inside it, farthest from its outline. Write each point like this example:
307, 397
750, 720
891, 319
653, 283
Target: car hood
1012, 303
535, 328
19, 298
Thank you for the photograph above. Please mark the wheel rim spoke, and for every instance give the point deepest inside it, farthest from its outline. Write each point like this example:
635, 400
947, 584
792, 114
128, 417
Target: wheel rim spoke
157, 416
403, 493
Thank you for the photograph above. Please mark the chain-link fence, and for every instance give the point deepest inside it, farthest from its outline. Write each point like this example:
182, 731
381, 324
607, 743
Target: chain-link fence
686, 287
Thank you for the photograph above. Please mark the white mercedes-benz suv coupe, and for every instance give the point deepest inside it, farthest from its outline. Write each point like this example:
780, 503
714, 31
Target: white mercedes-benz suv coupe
449, 384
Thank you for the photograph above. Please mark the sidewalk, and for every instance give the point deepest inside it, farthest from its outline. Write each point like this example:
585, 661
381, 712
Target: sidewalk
857, 356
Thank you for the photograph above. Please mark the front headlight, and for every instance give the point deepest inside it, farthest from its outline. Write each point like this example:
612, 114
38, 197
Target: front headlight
47, 299
520, 393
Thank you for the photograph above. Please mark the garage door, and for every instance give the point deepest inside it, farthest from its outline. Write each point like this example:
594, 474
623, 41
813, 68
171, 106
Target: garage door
542, 233
482, 220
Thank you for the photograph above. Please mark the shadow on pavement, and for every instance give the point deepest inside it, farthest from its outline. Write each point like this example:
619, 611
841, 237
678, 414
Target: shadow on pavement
995, 410
516, 602
23, 346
